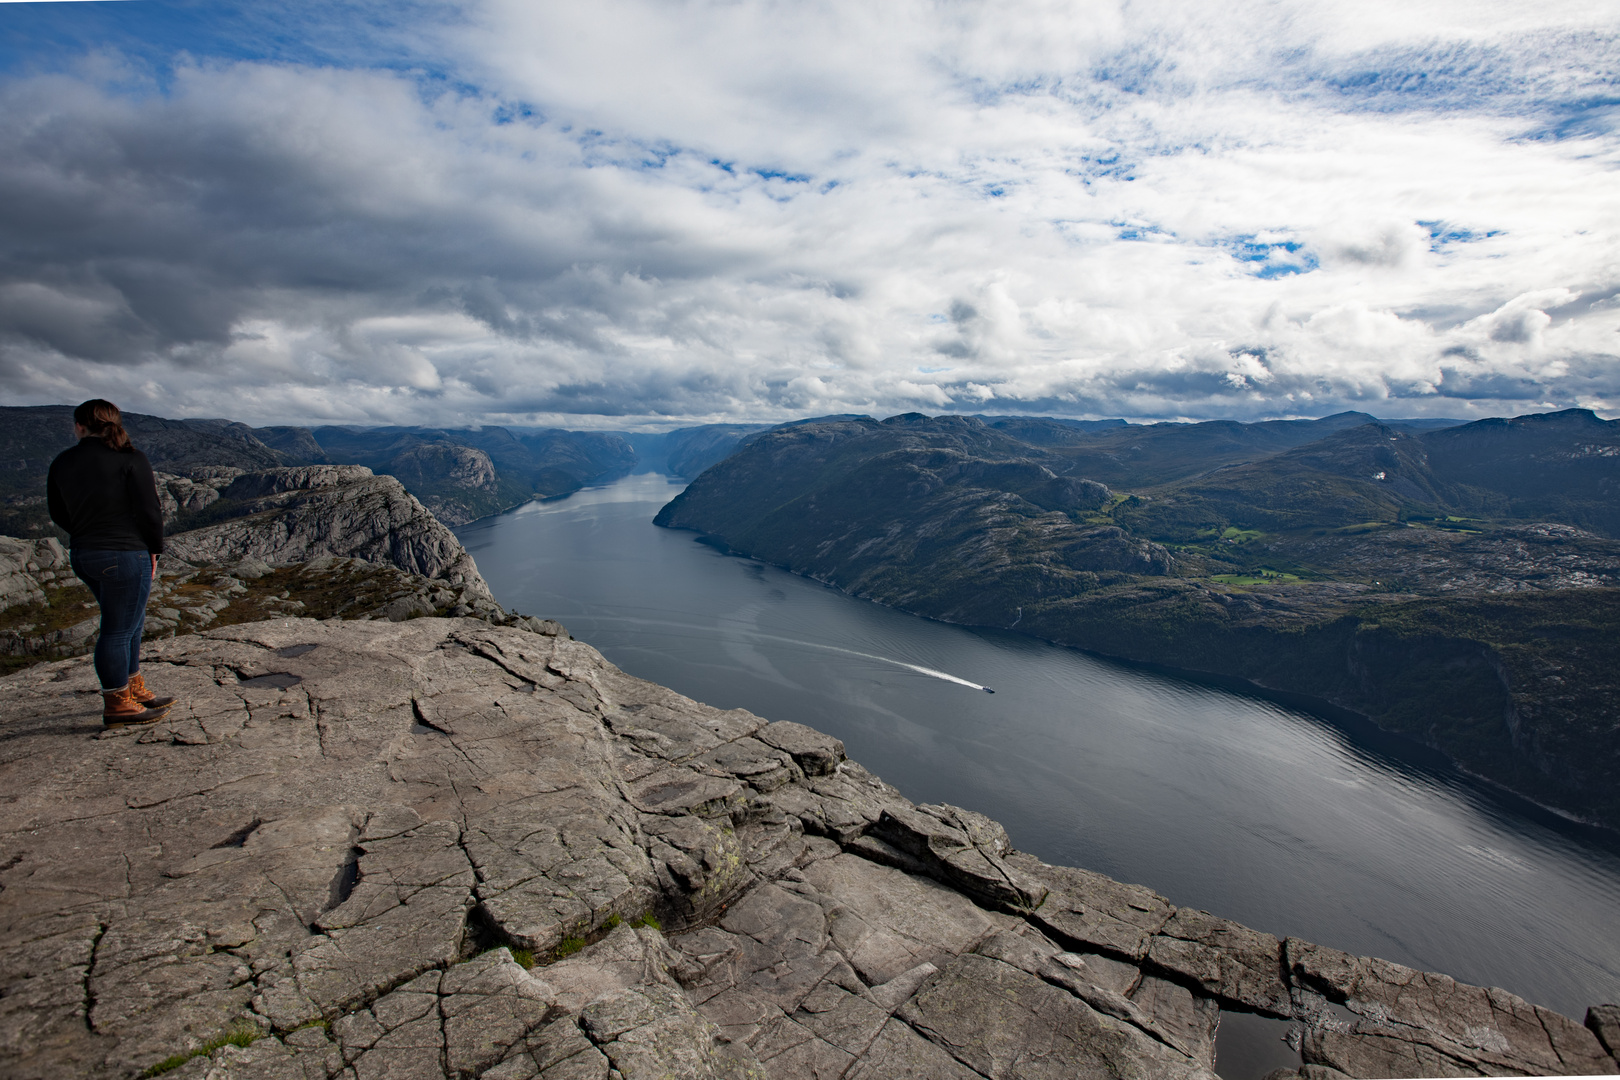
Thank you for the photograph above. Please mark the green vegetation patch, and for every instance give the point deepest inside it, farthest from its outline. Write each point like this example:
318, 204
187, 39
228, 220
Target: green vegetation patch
1449, 523
220, 510
66, 604
1229, 534
343, 589
568, 946
336, 591
240, 1034
1256, 577
1104, 514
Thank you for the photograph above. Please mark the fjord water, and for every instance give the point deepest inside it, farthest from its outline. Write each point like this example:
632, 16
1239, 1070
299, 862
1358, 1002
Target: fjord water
1283, 820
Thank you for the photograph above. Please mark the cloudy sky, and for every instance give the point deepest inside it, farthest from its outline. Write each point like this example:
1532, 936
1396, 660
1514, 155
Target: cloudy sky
645, 213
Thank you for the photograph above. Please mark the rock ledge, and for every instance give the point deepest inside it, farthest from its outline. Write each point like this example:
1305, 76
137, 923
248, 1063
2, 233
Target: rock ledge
443, 848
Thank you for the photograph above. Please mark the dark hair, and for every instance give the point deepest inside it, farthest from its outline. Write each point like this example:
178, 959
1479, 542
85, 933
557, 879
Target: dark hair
103, 420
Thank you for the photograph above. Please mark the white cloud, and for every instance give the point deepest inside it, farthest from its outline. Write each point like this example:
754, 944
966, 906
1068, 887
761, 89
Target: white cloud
635, 212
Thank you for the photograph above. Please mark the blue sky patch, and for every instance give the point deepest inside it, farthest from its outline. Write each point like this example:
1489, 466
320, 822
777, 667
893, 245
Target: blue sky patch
777, 174
1271, 259
1130, 230
1442, 233
160, 35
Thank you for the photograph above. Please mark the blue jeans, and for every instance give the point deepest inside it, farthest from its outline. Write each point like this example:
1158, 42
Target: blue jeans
120, 581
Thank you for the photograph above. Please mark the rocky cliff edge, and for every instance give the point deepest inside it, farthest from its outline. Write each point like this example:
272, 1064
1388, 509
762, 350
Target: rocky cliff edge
292, 515
442, 848
321, 541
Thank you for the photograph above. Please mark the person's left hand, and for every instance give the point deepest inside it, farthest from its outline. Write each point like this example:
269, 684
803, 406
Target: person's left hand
154, 567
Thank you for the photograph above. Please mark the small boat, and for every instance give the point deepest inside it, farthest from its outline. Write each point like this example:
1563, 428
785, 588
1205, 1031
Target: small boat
988, 690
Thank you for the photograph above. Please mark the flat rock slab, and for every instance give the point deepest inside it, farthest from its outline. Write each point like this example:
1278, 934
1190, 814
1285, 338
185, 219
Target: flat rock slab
1006, 1024
439, 848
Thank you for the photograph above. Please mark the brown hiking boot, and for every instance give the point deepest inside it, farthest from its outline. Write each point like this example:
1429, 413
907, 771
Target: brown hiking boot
121, 710
137, 688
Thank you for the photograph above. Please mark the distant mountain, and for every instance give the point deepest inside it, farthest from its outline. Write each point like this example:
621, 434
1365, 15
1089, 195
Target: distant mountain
1422, 423
296, 445
554, 461
1562, 466
689, 451
1145, 454
1047, 431
468, 473
1436, 579
841, 501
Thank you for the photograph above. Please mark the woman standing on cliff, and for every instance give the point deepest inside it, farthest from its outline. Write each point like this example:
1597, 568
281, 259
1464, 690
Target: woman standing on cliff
103, 493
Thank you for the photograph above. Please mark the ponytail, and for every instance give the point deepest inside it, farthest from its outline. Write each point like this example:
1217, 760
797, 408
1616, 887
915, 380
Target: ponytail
103, 420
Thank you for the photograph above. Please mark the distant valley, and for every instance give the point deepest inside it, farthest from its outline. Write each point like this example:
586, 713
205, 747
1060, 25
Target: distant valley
459, 474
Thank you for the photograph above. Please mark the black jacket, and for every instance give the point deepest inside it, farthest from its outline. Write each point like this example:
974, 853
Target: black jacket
106, 500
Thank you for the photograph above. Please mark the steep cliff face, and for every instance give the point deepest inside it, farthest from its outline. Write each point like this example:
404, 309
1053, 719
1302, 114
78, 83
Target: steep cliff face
457, 483
463, 466
441, 848
296, 514
296, 445
190, 494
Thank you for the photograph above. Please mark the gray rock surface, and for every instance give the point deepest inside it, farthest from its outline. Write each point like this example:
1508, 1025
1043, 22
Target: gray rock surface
1604, 1020
444, 848
44, 610
27, 566
196, 491
458, 483
296, 514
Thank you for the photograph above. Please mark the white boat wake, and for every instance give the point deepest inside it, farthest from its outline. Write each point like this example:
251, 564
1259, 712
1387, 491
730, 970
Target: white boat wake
918, 668
754, 634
